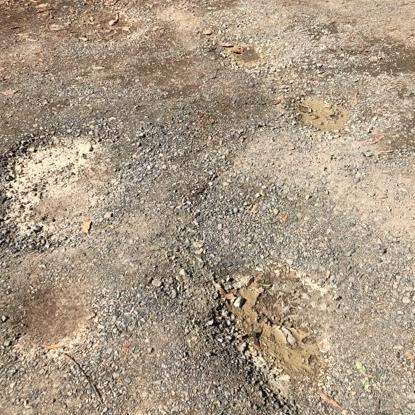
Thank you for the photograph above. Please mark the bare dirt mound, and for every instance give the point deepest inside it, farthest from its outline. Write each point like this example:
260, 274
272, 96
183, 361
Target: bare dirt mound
283, 315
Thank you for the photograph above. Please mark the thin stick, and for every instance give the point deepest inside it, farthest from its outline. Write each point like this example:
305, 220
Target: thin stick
377, 409
330, 401
94, 388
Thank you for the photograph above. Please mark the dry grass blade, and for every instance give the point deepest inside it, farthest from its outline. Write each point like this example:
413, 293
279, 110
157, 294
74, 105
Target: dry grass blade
94, 388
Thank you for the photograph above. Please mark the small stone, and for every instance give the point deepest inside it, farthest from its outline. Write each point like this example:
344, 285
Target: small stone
86, 226
207, 32
289, 336
156, 282
108, 215
4, 319
406, 300
239, 302
242, 347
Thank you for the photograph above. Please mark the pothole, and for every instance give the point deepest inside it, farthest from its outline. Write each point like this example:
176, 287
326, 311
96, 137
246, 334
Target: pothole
323, 115
282, 315
55, 188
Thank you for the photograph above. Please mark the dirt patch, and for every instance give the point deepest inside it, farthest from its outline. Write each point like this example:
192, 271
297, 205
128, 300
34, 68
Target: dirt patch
280, 310
319, 31
376, 57
394, 22
53, 189
53, 317
60, 19
371, 194
17, 17
99, 26
323, 115
173, 77
390, 200
401, 140
245, 55
183, 23
169, 76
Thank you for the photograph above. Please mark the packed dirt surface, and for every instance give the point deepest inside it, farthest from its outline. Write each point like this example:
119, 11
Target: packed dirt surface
207, 207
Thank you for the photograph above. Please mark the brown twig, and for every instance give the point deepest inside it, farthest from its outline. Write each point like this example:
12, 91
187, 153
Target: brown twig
330, 401
94, 388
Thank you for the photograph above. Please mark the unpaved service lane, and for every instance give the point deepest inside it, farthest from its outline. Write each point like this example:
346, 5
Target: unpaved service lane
207, 207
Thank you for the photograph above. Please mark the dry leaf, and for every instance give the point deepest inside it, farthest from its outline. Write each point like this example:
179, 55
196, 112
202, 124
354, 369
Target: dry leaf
227, 296
230, 296
284, 217
86, 226
219, 289
330, 401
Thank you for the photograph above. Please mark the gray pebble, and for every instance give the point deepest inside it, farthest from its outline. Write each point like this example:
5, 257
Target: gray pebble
156, 282
239, 302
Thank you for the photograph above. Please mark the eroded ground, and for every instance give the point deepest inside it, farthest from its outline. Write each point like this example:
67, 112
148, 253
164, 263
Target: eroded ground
207, 207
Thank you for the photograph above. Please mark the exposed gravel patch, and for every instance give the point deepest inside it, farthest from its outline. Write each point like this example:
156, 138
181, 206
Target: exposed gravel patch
206, 207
